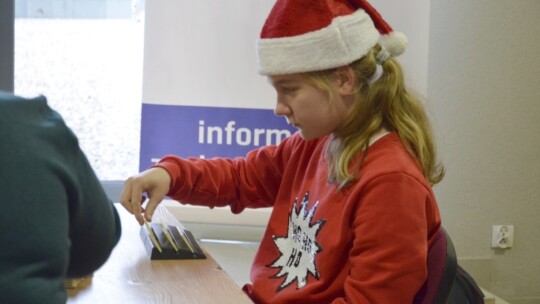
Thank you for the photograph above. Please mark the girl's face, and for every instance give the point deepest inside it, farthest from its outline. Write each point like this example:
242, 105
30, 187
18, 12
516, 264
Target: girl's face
309, 108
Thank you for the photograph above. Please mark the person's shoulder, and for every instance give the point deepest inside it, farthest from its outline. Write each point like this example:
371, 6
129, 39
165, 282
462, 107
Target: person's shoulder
389, 155
388, 146
7, 98
18, 108
32, 119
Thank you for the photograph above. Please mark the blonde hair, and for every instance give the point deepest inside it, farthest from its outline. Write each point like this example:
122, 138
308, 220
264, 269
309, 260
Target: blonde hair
386, 103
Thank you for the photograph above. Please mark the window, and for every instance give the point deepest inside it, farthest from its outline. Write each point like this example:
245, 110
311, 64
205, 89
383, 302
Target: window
86, 57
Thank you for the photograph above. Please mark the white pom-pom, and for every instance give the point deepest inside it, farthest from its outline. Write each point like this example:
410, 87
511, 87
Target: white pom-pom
394, 42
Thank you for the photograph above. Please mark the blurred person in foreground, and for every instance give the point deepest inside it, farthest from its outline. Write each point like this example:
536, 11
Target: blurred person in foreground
56, 221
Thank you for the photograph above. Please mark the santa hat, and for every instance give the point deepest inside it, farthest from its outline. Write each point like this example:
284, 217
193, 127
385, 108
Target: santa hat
311, 35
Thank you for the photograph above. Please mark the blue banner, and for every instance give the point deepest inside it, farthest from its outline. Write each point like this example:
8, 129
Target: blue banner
205, 132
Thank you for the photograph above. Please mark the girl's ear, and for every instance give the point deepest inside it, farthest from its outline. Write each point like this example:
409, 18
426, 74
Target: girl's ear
345, 80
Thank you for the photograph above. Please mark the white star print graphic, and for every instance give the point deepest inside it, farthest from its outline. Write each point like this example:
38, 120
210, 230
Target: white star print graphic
299, 247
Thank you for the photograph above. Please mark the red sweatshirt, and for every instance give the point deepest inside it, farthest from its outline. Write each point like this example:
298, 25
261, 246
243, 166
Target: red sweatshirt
365, 244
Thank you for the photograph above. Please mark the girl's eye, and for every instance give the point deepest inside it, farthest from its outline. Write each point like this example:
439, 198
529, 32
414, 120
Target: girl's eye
289, 90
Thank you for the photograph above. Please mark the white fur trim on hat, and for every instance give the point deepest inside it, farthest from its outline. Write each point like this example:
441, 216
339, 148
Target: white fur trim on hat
345, 40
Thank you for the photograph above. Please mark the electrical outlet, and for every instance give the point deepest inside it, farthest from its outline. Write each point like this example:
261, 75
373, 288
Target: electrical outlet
502, 236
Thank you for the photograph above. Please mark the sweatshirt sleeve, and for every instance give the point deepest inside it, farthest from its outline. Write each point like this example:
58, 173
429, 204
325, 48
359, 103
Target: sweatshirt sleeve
243, 182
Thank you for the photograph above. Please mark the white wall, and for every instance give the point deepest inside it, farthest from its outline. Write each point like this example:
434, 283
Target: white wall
412, 18
484, 87
202, 53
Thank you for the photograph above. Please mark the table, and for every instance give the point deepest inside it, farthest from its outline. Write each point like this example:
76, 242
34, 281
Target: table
129, 276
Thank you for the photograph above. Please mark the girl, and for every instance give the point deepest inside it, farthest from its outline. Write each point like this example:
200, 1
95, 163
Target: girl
353, 209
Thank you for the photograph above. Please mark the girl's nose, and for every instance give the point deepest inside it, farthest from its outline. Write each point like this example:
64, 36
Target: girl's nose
282, 109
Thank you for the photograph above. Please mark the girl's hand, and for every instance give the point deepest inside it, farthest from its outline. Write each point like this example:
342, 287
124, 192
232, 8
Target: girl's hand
155, 182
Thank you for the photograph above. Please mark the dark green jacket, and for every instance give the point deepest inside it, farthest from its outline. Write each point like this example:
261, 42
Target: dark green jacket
55, 219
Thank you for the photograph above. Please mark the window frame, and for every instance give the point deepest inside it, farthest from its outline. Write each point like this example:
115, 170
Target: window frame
7, 51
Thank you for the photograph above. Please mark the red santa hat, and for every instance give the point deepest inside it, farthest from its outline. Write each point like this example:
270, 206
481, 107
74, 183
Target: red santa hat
311, 35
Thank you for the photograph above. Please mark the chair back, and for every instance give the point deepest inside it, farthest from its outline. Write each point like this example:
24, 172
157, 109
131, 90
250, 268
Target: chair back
442, 267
